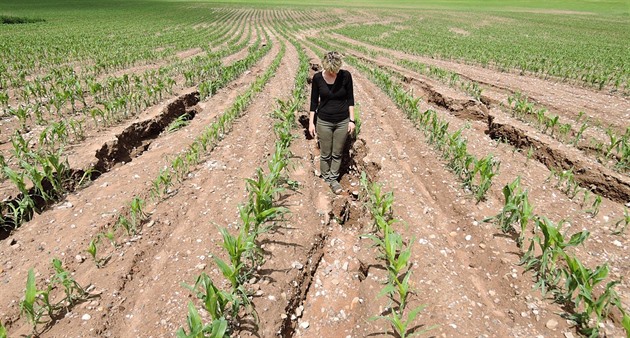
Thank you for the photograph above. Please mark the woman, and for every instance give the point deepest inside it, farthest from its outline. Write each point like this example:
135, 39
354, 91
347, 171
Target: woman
332, 103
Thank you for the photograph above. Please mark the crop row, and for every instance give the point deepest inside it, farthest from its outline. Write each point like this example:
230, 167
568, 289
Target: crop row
255, 216
396, 254
616, 148
535, 43
129, 43
36, 303
48, 169
445, 76
476, 174
556, 270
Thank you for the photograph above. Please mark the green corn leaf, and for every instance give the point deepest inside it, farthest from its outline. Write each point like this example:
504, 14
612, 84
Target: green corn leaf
414, 313
600, 273
626, 324
388, 289
578, 238
31, 289
219, 328
194, 322
3, 331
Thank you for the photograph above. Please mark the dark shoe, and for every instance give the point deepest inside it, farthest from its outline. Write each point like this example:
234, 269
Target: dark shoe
336, 187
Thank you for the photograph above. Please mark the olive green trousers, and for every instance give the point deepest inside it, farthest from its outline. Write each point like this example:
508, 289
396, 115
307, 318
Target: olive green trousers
332, 139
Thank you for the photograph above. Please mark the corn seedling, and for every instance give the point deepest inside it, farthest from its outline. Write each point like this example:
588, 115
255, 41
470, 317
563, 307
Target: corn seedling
516, 209
622, 224
73, 291
3, 331
179, 123
357, 121
594, 209
552, 245
196, 328
487, 168
92, 249
261, 194
37, 303
215, 301
401, 325
137, 214
124, 222
580, 283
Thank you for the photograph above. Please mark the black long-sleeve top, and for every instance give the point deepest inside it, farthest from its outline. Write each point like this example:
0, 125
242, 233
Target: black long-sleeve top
331, 101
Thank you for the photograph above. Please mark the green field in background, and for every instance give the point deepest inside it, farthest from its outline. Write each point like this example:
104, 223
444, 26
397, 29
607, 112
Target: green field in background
582, 41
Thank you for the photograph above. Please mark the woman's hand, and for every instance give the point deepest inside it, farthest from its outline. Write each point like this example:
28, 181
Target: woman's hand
351, 127
311, 129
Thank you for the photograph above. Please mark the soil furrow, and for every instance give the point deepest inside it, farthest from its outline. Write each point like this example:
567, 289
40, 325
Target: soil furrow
452, 252
96, 205
213, 191
591, 176
565, 98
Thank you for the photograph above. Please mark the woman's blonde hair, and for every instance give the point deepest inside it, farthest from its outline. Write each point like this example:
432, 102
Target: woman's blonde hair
332, 62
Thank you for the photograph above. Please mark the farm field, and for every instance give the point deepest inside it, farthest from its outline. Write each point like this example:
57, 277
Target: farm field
158, 181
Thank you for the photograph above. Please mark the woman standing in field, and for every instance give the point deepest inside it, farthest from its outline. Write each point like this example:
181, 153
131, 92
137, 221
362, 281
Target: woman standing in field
331, 116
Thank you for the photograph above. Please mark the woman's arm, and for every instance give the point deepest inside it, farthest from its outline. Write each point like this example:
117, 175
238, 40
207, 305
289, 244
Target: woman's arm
350, 100
314, 104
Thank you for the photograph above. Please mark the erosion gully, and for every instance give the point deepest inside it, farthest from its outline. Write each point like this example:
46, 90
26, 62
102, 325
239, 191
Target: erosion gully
66, 230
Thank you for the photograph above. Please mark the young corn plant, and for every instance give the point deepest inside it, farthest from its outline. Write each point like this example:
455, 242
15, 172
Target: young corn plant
197, 329
216, 303
3, 331
357, 121
580, 283
516, 210
92, 249
136, 214
38, 303
552, 245
622, 224
179, 123
486, 168
401, 325
594, 209
262, 192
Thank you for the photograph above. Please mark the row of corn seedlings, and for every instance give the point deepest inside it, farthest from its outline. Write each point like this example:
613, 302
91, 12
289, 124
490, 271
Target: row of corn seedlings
47, 166
131, 220
445, 76
40, 178
617, 148
255, 216
43, 306
396, 254
115, 98
556, 269
566, 182
476, 174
